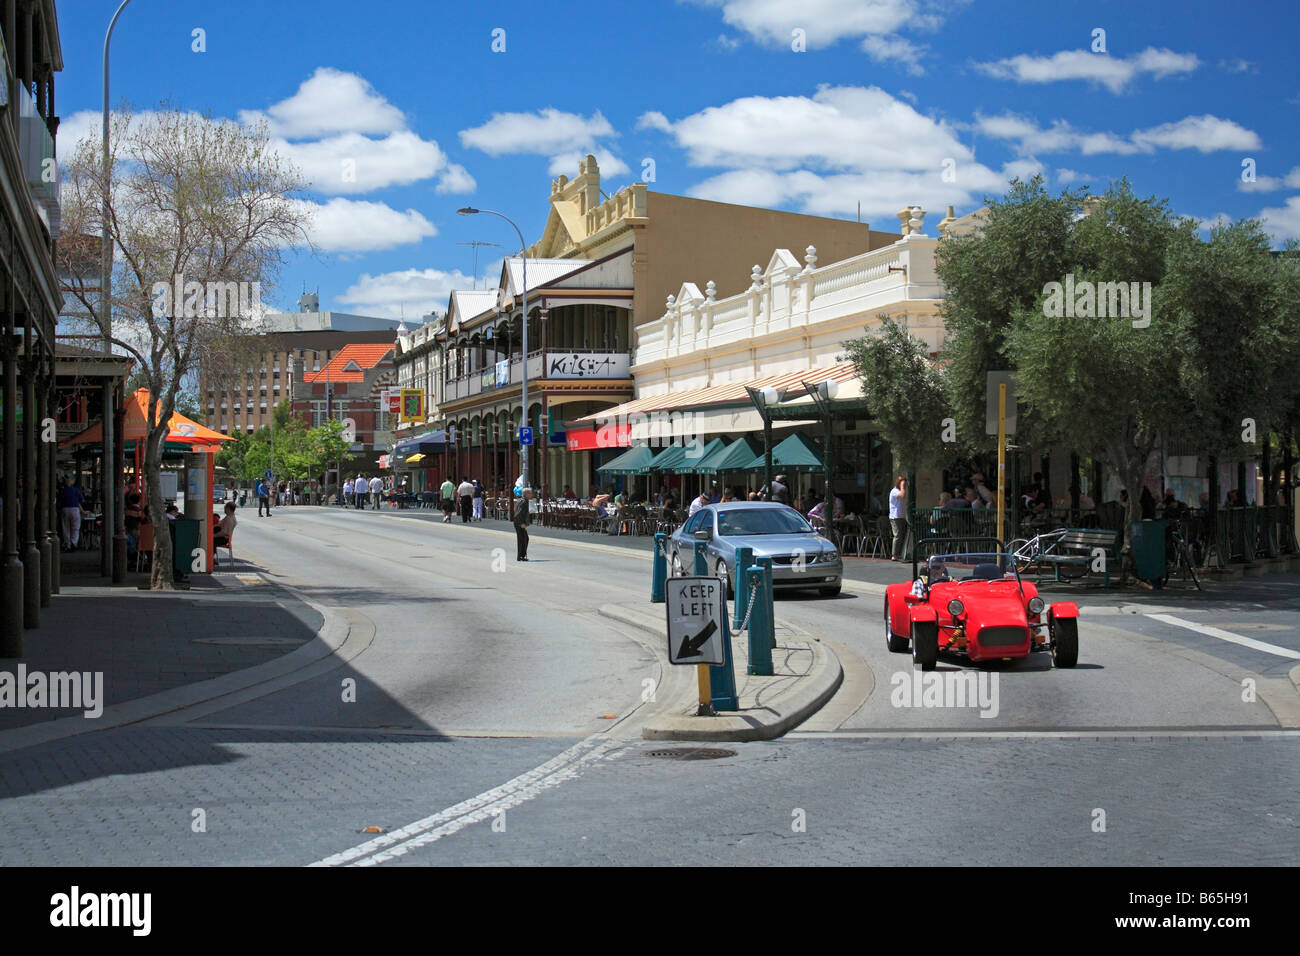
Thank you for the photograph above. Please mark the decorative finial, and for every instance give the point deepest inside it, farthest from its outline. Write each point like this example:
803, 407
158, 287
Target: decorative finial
810, 257
710, 290
756, 277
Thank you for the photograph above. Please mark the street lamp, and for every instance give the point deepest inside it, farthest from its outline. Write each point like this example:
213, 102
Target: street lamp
113, 561
523, 256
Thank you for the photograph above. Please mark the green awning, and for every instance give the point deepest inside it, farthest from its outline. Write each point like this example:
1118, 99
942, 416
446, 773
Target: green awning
635, 461
691, 463
795, 453
670, 459
734, 458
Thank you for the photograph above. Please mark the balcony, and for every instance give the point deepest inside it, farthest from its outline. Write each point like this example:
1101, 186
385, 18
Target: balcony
36, 149
567, 365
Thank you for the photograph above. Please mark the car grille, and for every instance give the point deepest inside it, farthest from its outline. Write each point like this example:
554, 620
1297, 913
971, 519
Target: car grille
784, 560
1001, 636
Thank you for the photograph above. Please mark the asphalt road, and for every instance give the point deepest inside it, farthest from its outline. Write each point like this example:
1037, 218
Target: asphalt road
494, 718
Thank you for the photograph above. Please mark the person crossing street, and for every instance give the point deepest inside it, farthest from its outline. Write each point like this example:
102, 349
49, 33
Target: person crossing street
376, 491
347, 492
263, 493
448, 492
359, 492
478, 500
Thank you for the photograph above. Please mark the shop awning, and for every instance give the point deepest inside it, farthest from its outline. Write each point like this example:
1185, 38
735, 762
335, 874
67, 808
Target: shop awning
691, 463
427, 444
183, 432
669, 459
734, 458
419, 456
634, 461
795, 453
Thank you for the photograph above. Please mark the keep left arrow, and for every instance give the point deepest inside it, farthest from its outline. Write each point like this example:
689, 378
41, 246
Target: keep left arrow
691, 645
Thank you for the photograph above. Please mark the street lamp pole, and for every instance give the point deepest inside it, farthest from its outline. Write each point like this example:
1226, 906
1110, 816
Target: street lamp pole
523, 256
113, 556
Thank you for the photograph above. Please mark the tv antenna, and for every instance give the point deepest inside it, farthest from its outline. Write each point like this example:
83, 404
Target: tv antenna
476, 243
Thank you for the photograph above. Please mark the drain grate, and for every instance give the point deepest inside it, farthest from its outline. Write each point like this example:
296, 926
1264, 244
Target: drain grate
692, 753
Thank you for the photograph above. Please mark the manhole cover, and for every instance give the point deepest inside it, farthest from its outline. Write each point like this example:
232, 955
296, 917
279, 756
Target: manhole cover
260, 641
692, 753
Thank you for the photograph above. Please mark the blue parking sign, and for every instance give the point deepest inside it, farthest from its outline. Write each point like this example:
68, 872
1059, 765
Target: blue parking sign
267, 474
525, 435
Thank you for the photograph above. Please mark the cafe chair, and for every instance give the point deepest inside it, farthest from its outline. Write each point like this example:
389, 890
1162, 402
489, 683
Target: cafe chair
145, 547
229, 546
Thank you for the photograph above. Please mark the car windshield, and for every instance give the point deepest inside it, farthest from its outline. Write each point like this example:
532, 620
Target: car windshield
977, 566
745, 521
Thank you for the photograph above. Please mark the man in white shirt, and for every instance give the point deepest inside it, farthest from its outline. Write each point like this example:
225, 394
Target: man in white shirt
347, 492
701, 502
465, 492
359, 491
898, 516
376, 489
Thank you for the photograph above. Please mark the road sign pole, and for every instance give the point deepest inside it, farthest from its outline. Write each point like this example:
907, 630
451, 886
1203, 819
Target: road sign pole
1002, 458
706, 692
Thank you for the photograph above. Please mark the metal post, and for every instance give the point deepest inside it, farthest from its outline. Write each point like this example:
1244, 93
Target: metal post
721, 678
31, 487
744, 558
659, 569
45, 484
701, 559
11, 608
51, 450
1002, 459
760, 623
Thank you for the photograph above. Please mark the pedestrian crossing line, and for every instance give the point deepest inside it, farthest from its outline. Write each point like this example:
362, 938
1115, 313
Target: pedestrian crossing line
564, 766
1227, 636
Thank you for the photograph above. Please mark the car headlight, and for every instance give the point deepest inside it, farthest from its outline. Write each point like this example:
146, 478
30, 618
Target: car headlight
955, 607
1036, 605
830, 555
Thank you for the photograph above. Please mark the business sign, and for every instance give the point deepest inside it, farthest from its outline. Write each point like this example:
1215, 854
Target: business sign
695, 627
503, 373
412, 407
608, 436
393, 400
991, 402
588, 365
488, 379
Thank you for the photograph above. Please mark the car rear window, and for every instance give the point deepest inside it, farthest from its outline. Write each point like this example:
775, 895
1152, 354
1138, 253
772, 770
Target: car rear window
743, 521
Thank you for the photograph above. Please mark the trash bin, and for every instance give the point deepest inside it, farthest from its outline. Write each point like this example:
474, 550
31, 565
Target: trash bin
185, 539
1148, 543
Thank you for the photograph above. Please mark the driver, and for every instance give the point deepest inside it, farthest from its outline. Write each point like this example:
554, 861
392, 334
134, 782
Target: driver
934, 573
938, 572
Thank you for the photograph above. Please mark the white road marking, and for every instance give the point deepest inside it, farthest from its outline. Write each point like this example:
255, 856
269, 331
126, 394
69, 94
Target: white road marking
1138, 734
526, 786
1227, 636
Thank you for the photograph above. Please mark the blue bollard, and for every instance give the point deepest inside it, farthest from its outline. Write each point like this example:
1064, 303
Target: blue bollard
722, 677
744, 558
659, 569
760, 625
768, 596
702, 560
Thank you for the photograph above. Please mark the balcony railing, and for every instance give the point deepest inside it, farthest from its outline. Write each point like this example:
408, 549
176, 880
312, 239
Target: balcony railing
36, 148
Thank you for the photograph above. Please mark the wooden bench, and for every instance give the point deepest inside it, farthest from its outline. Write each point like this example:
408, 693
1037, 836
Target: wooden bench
1075, 549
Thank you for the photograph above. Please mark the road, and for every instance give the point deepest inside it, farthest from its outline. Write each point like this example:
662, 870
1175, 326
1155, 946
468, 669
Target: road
489, 715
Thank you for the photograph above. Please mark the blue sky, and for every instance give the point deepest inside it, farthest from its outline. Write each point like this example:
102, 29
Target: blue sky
888, 103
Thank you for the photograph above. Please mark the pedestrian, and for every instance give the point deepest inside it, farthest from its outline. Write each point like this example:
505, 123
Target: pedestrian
898, 516
465, 492
359, 492
448, 493
376, 491
263, 492
478, 500
779, 490
701, 501
70, 499
520, 520
347, 493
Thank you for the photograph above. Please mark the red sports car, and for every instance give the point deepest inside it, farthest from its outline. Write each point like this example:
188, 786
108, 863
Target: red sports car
976, 606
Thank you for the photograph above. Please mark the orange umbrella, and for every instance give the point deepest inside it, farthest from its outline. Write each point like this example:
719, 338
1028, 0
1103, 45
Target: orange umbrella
180, 428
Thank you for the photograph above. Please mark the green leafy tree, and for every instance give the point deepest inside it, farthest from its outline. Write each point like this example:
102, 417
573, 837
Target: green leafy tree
906, 393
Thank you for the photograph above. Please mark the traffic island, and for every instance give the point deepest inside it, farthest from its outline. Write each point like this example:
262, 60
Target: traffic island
805, 675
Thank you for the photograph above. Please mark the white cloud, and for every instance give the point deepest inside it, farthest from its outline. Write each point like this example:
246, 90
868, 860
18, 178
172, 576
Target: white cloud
566, 138
1203, 133
726, 43
838, 128
1238, 65
1268, 184
544, 133
1218, 219
352, 164
456, 179
654, 120
1067, 176
1112, 72
896, 51
329, 102
567, 163
350, 225
408, 292
824, 21
1283, 222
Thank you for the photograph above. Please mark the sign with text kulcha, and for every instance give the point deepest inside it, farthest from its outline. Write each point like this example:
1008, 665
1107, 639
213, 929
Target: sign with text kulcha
695, 608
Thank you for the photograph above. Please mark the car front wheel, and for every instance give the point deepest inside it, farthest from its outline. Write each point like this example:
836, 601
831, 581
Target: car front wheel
925, 644
1065, 641
677, 566
721, 570
896, 645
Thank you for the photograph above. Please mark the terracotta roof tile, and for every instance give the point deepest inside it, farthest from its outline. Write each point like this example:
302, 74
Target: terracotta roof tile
366, 356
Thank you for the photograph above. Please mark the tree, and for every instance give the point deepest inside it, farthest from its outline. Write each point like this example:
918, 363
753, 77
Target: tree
906, 392
200, 213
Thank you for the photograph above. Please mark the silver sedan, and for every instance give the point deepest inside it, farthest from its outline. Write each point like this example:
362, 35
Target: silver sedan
801, 558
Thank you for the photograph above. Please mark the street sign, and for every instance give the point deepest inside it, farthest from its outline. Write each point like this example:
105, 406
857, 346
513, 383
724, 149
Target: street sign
991, 402
525, 435
267, 474
695, 607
